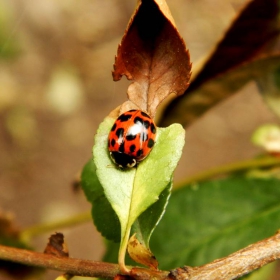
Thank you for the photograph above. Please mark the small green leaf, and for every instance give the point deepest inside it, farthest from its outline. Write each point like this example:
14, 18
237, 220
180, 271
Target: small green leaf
132, 191
268, 137
104, 217
148, 220
213, 219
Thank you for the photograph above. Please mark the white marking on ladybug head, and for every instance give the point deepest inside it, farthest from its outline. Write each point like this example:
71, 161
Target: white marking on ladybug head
134, 162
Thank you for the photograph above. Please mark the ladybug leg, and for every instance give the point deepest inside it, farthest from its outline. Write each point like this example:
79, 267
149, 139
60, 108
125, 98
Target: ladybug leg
113, 159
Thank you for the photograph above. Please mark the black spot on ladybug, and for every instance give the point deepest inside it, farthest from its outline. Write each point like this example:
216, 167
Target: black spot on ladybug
130, 137
121, 148
143, 136
124, 117
120, 132
114, 127
139, 153
153, 128
132, 110
144, 114
113, 142
146, 124
151, 143
132, 148
138, 120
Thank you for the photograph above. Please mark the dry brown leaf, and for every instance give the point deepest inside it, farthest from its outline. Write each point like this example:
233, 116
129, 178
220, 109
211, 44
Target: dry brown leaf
56, 246
249, 49
152, 54
211, 93
141, 254
256, 25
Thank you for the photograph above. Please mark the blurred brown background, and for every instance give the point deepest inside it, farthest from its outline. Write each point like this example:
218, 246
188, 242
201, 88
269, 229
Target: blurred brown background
56, 59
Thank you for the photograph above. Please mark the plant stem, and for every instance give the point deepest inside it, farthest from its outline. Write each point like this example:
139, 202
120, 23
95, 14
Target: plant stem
229, 168
69, 265
32, 231
231, 267
237, 264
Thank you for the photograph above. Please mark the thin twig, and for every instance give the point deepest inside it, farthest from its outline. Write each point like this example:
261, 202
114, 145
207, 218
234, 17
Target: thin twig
231, 267
39, 229
229, 168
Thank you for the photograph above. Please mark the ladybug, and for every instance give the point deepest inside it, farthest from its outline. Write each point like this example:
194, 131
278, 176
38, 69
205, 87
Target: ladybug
131, 138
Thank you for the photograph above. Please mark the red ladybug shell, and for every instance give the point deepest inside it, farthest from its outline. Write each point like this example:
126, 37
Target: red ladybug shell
131, 138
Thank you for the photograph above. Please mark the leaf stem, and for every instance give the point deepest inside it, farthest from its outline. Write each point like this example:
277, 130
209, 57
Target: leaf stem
229, 168
122, 251
39, 229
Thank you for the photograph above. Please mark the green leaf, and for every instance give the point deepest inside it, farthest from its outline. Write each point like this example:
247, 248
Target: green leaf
143, 226
132, 191
213, 219
104, 217
106, 220
90, 183
149, 219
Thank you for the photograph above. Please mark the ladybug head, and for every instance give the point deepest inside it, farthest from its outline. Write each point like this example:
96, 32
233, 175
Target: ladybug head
123, 160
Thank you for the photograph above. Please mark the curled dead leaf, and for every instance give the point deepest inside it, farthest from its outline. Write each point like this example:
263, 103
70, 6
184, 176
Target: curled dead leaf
241, 43
56, 246
242, 55
152, 54
141, 254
